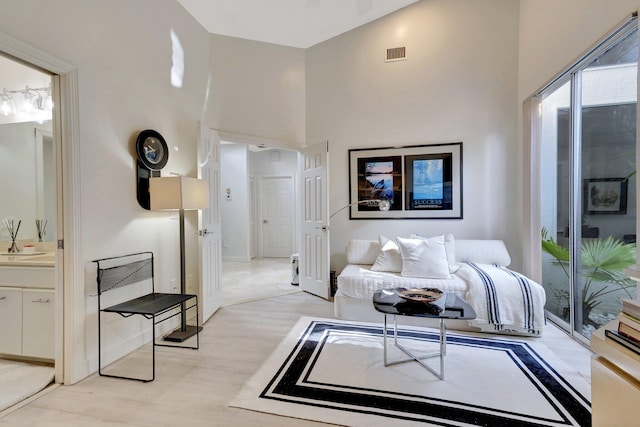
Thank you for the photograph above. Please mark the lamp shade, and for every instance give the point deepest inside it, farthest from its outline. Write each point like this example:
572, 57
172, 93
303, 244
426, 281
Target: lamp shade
178, 192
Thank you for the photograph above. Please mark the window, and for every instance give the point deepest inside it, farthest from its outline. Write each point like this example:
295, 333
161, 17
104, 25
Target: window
583, 134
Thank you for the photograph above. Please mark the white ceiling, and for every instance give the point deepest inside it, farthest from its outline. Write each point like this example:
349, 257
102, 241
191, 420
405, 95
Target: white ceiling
296, 23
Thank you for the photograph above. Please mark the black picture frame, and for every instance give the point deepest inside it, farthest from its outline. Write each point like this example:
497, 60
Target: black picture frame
605, 196
379, 178
420, 182
429, 185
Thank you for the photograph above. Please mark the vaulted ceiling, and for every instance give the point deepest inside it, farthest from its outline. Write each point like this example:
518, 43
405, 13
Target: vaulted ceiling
295, 23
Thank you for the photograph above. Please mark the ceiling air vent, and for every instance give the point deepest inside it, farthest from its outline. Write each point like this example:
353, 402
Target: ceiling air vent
396, 54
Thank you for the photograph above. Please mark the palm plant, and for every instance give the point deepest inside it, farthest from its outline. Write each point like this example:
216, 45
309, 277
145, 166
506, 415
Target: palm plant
603, 261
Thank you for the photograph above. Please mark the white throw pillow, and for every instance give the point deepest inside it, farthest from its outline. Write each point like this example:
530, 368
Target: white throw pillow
424, 258
389, 258
362, 252
449, 247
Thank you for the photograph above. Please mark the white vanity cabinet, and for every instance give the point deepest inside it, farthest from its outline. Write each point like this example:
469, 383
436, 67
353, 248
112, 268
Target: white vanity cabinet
27, 311
37, 323
11, 320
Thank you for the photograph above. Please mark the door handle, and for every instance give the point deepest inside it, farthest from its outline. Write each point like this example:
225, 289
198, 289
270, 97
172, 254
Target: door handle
323, 228
41, 300
205, 232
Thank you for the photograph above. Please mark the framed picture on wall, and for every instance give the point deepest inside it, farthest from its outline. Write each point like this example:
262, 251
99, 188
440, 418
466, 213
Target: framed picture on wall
379, 178
422, 181
605, 196
429, 182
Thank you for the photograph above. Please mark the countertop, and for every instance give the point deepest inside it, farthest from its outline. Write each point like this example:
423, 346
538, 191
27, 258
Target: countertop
38, 259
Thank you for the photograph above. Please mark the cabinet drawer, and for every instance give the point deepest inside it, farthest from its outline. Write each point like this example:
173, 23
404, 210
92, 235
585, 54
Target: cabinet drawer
10, 320
614, 395
38, 314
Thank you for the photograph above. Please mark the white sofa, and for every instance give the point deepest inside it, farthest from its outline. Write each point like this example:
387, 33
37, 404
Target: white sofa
358, 282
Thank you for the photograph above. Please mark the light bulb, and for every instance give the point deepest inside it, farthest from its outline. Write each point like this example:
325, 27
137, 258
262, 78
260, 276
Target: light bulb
27, 103
38, 101
5, 107
48, 102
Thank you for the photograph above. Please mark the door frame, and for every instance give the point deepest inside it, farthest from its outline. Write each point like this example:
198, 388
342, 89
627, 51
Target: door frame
253, 218
239, 138
69, 288
294, 236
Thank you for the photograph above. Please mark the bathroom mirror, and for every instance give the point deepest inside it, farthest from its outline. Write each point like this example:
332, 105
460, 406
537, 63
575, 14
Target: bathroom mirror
27, 178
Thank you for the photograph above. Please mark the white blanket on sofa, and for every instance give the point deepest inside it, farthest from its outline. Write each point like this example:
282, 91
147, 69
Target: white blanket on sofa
503, 300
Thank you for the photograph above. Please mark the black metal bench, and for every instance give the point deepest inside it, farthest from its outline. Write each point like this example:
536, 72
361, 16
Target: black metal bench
116, 272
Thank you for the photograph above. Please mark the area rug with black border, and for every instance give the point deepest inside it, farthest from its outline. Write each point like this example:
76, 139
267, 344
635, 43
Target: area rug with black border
332, 371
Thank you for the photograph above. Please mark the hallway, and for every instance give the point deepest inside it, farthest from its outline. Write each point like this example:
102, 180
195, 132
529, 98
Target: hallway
256, 279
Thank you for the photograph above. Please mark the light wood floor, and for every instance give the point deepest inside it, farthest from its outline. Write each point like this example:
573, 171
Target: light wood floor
192, 388
256, 279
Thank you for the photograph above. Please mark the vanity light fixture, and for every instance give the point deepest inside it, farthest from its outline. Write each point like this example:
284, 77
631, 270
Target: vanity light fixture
34, 100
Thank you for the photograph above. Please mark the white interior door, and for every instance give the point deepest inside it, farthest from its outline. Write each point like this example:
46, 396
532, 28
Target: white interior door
253, 221
210, 292
314, 246
277, 216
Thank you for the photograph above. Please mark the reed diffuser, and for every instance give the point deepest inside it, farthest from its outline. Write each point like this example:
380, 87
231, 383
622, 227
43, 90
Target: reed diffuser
13, 232
41, 226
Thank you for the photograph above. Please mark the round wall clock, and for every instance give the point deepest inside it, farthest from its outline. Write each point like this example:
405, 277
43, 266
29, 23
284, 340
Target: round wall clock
152, 149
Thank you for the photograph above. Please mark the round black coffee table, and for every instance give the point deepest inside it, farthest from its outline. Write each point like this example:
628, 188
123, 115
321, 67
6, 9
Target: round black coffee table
448, 306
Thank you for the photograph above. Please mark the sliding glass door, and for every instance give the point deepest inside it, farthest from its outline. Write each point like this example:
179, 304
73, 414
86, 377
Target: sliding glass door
588, 185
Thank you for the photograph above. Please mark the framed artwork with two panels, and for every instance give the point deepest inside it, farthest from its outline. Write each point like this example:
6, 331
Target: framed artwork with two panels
420, 181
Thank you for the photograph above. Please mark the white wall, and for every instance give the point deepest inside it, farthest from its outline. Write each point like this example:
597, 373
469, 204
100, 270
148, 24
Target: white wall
234, 175
257, 89
273, 162
459, 83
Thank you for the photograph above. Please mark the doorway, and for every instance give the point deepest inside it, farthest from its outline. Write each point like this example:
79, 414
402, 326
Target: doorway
29, 169
587, 129
258, 220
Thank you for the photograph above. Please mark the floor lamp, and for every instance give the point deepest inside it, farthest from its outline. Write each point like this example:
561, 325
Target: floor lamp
383, 204
179, 193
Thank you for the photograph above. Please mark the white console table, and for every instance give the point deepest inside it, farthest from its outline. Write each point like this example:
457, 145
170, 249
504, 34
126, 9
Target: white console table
615, 382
